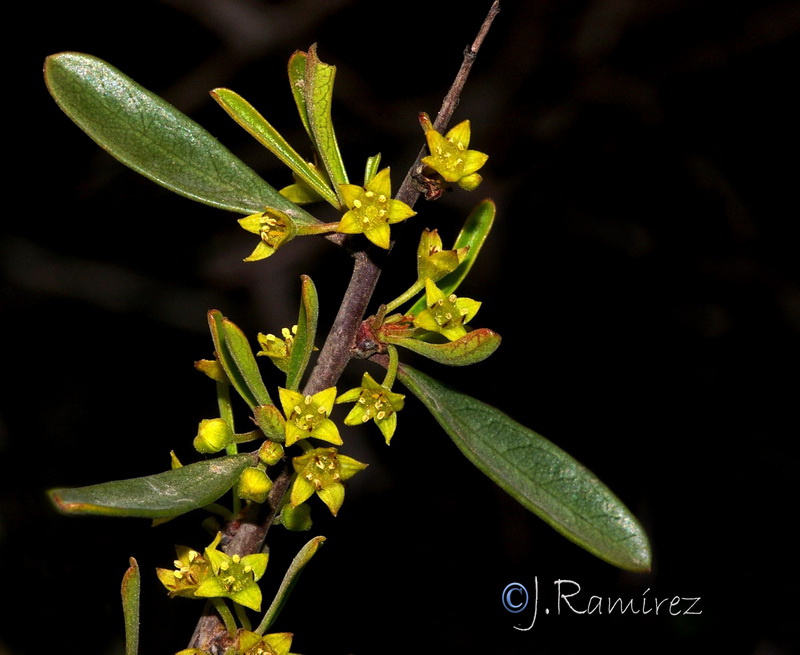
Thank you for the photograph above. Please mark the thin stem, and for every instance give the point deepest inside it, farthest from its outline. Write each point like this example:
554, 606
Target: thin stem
225, 614
391, 370
407, 295
248, 534
341, 340
450, 101
219, 510
244, 620
226, 412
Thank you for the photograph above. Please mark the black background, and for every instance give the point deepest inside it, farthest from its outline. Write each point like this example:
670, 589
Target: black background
643, 273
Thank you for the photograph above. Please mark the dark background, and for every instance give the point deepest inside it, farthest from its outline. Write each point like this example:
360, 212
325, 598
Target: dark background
643, 273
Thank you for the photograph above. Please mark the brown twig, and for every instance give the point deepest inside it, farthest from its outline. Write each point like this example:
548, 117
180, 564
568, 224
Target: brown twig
340, 343
247, 534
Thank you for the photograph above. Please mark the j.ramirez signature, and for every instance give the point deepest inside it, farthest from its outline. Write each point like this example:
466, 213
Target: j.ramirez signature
516, 598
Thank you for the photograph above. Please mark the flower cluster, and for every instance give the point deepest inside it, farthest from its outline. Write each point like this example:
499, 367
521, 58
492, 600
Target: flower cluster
216, 575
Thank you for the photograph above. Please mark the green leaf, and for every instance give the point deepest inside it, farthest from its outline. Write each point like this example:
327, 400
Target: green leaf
239, 347
318, 97
297, 81
306, 333
473, 347
289, 580
237, 360
371, 168
473, 234
246, 115
155, 139
161, 495
131, 590
538, 474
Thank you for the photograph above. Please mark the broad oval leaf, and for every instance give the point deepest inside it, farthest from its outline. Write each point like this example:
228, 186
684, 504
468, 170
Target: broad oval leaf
153, 138
161, 495
538, 474
473, 347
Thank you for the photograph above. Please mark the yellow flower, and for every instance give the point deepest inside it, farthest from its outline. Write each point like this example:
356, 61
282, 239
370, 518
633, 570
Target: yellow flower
277, 349
307, 416
446, 315
273, 227
372, 209
251, 643
191, 569
451, 158
323, 470
432, 261
376, 402
235, 576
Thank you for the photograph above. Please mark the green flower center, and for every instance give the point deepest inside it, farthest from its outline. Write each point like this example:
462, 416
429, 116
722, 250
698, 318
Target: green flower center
234, 575
322, 470
375, 405
260, 649
449, 156
273, 231
446, 313
309, 415
372, 209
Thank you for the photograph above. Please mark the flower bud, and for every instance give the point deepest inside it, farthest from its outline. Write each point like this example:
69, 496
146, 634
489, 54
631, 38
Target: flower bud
254, 485
270, 452
212, 436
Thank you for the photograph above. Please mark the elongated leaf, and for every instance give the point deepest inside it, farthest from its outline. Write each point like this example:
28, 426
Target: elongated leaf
246, 115
161, 495
155, 139
473, 234
242, 381
306, 333
131, 590
371, 168
289, 580
238, 346
541, 476
473, 347
319, 98
297, 80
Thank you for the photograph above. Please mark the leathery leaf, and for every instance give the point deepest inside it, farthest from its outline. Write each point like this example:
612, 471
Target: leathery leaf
538, 474
162, 495
153, 138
